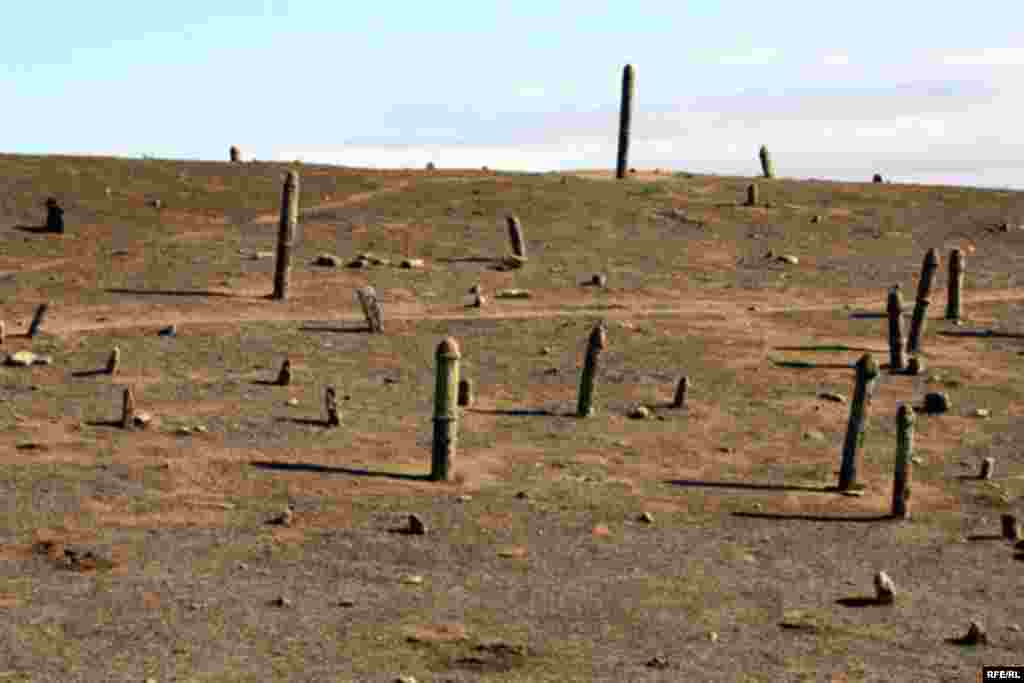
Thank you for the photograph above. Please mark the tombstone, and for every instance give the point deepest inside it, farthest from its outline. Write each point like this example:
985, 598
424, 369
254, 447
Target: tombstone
371, 308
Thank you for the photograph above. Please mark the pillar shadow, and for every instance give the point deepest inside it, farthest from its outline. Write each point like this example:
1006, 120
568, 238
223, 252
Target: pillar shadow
361, 329
828, 349
305, 421
985, 537
328, 469
991, 334
90, 373
868, 315
813, 518
969, 477
804, 365
468, 259
750, 486
104, 423
266, 382
519, 412
177, 292
862, 601
37, 229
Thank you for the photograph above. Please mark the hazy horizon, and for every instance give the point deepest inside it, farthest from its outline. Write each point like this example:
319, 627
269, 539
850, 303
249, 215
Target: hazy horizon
923, 97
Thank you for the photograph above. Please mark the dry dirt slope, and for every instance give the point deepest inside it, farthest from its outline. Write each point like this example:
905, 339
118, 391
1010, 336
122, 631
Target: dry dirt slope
535, 566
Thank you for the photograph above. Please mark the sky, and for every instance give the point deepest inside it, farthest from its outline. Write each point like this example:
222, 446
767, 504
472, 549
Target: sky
926, 92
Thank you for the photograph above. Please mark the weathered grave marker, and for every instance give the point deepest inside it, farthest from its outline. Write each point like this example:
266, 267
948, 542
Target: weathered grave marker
867, 375
625, 120
917, 323
331, 407
904, 453
37, 319
596, 343
371, 308
446, 415
286, 235
894, 309
515, 235
956, 283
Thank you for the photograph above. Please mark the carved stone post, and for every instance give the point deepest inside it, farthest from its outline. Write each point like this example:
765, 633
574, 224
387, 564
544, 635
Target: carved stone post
596, 343
956, 283
37, 320
894, 308
371, 308
924, 287
128, 409
681, 389
286, 235
114, 362
446, 414
904, 453
331, 407
867, 375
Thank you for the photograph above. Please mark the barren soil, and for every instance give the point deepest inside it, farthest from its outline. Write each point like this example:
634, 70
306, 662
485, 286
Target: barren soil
147, 553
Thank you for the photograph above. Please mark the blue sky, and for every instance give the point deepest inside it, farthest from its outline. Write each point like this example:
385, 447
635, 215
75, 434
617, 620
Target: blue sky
909, 89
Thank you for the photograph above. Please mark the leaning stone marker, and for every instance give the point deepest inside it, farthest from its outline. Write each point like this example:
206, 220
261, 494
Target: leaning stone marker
37, 320
596, 343
867, 375
128, 409
885, 589
924, 287
515, 235
284, 377
371, 308
114, 361
680, 398
446, 414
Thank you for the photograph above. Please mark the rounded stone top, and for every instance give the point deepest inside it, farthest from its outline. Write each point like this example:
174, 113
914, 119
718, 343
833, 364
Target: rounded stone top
449, 349
932, 257
905, 413
292, 178
867, 366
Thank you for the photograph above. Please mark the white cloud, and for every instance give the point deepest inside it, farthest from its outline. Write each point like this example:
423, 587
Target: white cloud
531, 91
990, 56
757, 56
836, 60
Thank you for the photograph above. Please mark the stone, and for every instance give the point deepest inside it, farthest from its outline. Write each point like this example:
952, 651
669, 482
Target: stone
657, 662
513, 294
817, 218
814, 434
830, 396
915, 366
936, 403
21, 359
640, 413
646, 518
885, 589
262, 255
286, 517
412, 579
412, 263
599, 280
408, 679
789, 258
982, 412
142, 419
292, 402
328, 260
975, 635
416, 526
281, 602
358, 263
169, 331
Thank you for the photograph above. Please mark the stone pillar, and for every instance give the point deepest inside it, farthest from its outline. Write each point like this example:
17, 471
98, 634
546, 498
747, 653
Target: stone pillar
867, 375
917, 323
904, 453
596, 343
446, 415
286, 235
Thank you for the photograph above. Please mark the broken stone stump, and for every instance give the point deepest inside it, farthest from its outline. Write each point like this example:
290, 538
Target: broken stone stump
54, 216
466, 392
885, 589
128, 409
371, 309
936, 403
987, 465
680, 398
37, 320
235, 154
284, 377
1011, 528
416, 526
114, 361
515, 234
331, 407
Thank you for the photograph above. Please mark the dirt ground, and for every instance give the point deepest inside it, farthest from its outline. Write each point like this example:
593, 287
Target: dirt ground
128, 555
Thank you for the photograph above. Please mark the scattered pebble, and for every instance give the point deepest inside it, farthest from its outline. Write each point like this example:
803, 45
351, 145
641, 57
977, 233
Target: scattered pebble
416, 526
292, 401
281, 602
412, 263
412, 579
789, 258
328, 260
646, 518
640, 413
169, 331
830, 396
982, 412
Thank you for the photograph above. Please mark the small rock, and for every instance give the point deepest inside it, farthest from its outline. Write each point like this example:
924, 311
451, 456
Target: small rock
142, 419
599, 280
262, 255
286, 517
411, 679
885, 589
640, 413
769, 254
21, 359
513, 294
789, 258
982, 412
416, 526
522, 495
646, 518
713, 636
345, 602
830, 396
1014, 627
169, 331
184, 431
936, 403
814, 434
917, 460
817, 218
412, 263
201, 429
752, 308
657, 662
464, 498
975, 635
545, 351
412, 579
358, 263
292, 401
281, 602
328, 260
156, 203
476, 289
